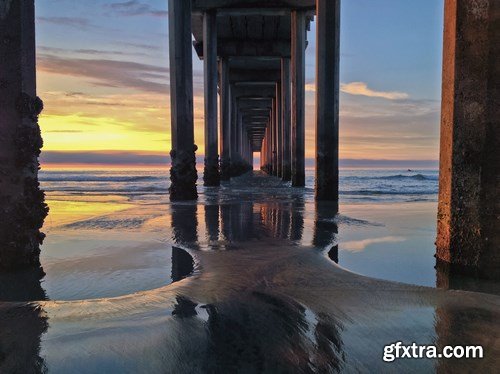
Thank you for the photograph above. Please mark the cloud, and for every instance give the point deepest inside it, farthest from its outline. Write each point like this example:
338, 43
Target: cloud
64, 131
76, 22
90, 52
136, 8
103, 158
311, 87
360, 245
109, 73
148, 47
362, 89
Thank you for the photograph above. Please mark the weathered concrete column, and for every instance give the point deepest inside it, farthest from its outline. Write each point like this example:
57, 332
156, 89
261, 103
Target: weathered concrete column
234, 127
468, 230
274, 137
279, 133
22, 207
241, 132
211, 175
183, 173
286, 119
225, 110
250, 152
327, 99
268, 149
263, 153
247, 152
298, 98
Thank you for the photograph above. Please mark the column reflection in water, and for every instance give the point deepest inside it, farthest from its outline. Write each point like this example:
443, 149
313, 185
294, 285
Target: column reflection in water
185, 224
326, 229
21, 325
249, 330
297, 219
212, 222
185, 234
456, 325
450, 278
286, 220
226, 221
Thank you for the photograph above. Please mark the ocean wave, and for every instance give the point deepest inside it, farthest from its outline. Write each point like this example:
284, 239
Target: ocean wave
388, 192
418, 177
107, 189
98, 178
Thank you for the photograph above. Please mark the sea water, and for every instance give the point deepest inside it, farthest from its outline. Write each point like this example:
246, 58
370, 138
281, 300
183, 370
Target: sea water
356, 185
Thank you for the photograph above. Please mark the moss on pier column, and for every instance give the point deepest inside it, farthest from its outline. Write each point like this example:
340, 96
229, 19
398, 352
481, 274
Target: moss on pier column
183, 175
22, 207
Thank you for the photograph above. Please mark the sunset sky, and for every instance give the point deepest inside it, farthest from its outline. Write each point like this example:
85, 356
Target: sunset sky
103, 75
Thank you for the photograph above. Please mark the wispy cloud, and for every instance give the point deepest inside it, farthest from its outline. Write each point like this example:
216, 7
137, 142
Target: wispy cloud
109, 73
76, 22
136, 8
362, 89
311, 87
104, 158
147, 47
64, 131
89, 52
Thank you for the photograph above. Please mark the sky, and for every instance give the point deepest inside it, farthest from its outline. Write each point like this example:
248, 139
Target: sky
104, 77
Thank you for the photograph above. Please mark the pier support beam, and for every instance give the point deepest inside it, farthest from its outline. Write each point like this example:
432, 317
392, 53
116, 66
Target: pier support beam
298, 98
211, 174
263, 153
327, 99
274, 136
22, 207
286, 119
225, 112
267, 166
183, 173
468, 230
279, 133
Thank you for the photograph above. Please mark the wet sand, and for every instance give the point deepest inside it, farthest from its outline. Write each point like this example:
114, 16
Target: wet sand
262, 296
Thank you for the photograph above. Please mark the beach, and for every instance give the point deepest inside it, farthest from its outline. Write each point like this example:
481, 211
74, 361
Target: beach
254, 277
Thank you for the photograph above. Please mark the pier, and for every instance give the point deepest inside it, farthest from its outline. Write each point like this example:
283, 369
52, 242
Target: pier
254, 57
254, 68
241, 270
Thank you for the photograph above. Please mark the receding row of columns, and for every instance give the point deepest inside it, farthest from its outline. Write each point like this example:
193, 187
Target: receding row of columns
282, 142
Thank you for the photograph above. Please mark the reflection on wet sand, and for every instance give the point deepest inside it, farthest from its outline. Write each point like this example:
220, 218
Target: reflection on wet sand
450, 279
261, 299
21, 324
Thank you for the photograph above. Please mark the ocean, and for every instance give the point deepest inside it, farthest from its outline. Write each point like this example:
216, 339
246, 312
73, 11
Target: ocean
356, 185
